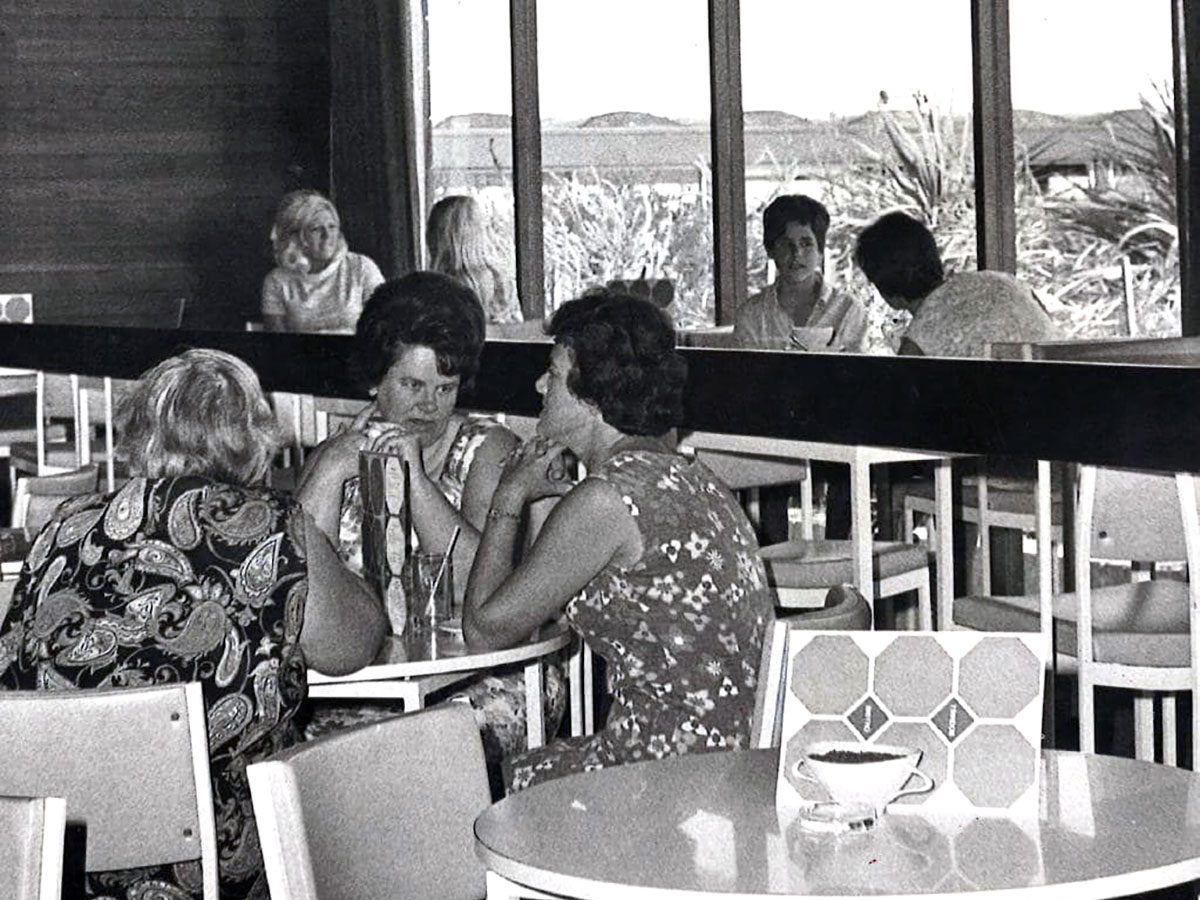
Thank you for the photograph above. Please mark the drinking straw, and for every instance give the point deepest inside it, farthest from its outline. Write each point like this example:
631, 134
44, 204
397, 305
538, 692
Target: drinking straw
437, 579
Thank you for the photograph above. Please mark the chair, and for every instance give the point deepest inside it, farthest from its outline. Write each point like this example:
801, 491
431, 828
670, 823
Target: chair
379, 811
1137, 635
799, 569
32, 832
132, 764
37, 497
85, 401
845, 610
746, 474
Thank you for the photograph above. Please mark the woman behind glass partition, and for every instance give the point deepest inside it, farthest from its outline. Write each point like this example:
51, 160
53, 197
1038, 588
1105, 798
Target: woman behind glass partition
459, 247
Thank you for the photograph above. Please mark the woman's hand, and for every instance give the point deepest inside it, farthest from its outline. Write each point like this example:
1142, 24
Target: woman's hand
535, 469
386, 437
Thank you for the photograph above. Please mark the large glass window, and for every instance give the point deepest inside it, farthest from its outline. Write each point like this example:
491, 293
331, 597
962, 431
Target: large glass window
625, 149
1093, 123
866, 107
470, 99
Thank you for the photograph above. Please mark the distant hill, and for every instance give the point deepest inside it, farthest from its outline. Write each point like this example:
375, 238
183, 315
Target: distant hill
771, 118
627, 119
476, 120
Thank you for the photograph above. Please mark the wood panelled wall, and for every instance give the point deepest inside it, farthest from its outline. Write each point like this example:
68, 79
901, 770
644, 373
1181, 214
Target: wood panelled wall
144, 145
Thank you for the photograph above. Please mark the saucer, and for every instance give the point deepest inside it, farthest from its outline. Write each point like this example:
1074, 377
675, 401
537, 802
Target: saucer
836, 818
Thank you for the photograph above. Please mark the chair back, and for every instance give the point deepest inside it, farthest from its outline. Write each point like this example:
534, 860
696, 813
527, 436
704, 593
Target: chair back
846, 610
132, 764
1135, 515
38, 496
31, 847
384, 810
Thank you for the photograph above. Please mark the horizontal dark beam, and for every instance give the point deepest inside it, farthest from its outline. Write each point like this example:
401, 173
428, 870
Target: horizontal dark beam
1116, 414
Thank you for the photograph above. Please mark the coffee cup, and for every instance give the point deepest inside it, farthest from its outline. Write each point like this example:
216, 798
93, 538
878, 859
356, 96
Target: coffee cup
863, 775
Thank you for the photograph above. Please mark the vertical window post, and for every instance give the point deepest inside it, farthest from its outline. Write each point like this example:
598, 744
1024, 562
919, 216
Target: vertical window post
728, 158
527, 159
1185, 34
995, 217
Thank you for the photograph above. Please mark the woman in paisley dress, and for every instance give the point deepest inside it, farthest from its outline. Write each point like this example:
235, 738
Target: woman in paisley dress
650, 555
417, 343
192, 571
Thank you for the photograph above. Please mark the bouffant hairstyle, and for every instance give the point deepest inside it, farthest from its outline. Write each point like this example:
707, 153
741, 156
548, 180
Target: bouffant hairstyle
200, 413
899, 256
624, 360
799, 208
295, 211
422, 309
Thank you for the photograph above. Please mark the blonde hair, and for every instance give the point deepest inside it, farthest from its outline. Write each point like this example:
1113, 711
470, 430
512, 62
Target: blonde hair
459, 247
295, 211
200, 413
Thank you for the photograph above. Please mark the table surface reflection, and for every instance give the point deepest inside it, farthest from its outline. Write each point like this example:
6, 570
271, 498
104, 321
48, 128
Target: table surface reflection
707, 825
439, 652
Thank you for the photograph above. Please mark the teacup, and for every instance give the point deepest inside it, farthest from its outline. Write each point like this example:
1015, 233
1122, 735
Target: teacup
863, 775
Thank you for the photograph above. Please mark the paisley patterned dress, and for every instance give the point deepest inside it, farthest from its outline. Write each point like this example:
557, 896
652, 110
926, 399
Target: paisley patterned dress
498, 698
174, 580
680, 631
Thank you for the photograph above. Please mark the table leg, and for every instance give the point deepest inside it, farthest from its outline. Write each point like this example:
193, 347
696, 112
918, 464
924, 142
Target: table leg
943, 496
860, 532
575, 682
535, 720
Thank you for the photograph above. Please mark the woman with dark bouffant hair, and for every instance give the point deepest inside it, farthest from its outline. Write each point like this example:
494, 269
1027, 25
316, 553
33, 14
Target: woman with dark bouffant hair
650, 556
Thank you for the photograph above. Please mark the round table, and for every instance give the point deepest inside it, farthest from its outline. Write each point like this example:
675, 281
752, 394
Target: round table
412, 666
706, 825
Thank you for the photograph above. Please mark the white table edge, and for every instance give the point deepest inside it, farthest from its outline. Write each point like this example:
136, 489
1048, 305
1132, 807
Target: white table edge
448, 664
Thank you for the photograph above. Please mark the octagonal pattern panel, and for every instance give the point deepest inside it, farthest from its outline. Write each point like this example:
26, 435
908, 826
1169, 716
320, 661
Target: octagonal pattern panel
829, 674
997, 852
914, 675
970, 702
1000, 697
994, 765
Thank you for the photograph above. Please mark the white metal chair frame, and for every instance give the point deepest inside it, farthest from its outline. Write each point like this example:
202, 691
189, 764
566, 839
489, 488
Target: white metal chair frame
82, 398
32, 831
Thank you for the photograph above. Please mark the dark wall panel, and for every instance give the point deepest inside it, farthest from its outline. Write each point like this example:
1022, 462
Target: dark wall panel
144, 145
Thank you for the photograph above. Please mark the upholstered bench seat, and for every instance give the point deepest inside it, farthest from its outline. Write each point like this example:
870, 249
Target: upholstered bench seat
1143, 624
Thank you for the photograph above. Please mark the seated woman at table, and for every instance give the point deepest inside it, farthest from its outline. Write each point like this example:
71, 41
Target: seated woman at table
417, 343
794, 229
459, 247
953, 316
317, 284
650, 556
193, 571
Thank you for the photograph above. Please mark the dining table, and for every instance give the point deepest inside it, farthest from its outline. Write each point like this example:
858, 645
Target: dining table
412, 666
860, 458
706, 825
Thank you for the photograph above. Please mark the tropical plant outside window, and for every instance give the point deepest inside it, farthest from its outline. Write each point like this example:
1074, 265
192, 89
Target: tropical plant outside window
628, 189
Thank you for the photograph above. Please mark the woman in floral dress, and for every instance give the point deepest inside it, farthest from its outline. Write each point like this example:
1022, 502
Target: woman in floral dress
193, 571
416, 344
651, 557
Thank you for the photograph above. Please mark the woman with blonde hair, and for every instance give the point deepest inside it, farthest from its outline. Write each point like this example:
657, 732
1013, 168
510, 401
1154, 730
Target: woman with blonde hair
317, 284
194, 570
459, 247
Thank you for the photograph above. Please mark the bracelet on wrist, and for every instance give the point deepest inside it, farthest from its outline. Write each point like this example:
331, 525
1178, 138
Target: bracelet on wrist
496, 513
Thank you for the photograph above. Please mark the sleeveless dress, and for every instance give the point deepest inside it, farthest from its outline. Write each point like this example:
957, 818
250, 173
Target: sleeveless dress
680, 631
175, 580
498, 698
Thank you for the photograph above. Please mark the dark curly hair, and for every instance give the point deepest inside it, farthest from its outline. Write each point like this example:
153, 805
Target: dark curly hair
798, 208
899, 256
422, 309
625, 360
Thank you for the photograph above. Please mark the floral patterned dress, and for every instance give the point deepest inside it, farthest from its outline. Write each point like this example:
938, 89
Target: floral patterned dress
680, 631
174, 580
498, 698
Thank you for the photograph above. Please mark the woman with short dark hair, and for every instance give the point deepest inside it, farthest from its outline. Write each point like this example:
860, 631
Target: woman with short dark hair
794, 229
955, 316
650, 557
193, 571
